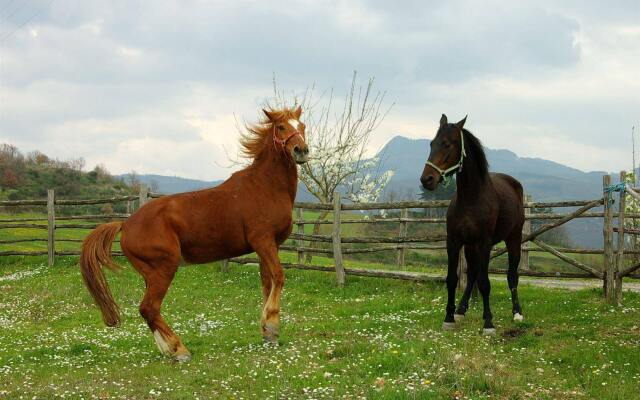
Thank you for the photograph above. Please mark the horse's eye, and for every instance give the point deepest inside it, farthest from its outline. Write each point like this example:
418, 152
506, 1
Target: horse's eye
281, 127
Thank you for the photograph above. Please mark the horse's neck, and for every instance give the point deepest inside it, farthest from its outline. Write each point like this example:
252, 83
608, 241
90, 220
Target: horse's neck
278, 171
471, 183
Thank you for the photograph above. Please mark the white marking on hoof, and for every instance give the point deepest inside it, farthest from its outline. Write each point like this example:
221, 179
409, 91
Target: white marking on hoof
182, 358
489, 331
448, 326
518, 317
458, 317
162, 344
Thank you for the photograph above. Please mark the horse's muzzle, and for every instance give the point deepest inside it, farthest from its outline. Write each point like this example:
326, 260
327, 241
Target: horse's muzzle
300, 154
429, 182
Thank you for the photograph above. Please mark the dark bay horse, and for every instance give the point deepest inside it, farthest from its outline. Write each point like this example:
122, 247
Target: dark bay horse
251, 211
485, 209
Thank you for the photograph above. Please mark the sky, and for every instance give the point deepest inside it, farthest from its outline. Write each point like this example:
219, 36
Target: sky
161, 86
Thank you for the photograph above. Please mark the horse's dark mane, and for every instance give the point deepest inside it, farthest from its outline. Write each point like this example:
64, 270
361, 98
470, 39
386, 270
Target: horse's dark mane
475, 154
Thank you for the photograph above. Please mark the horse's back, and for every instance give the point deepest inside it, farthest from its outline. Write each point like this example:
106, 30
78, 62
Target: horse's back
206, 225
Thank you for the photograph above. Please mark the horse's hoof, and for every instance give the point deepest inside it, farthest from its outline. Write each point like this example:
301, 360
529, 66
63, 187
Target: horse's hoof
182, 358
448, 326
458, 317
517, 317
270, 340
270, 333
489, 331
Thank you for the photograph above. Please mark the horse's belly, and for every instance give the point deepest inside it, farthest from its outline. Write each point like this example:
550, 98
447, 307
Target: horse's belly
214, 252
213, 245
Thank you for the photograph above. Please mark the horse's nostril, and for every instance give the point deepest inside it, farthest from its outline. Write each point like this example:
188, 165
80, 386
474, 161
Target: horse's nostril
426, 181
296, 149
305, 151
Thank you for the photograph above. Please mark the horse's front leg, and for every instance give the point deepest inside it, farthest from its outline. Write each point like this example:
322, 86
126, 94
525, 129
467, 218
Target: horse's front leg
453, 254
272, 277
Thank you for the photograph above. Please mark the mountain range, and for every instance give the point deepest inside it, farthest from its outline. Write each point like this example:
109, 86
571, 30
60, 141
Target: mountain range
542, 179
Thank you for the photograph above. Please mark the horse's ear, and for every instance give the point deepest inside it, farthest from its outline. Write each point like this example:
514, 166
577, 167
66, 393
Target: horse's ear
443, 120
269, 115
460, 124
297, 112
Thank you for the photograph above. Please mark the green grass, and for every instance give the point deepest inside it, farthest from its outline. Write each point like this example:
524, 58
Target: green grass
373, 338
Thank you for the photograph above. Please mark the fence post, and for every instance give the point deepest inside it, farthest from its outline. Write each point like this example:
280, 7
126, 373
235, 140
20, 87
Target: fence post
51, 227
225, 265
526, 229
337, 240
142, 196
129, 207
607, 232
300, 242
402, 233
620, 256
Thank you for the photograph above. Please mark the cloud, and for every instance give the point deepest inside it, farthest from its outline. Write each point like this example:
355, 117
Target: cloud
116, 81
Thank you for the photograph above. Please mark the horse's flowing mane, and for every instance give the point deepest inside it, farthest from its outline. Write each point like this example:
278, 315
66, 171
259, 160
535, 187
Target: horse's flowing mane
254, 141
475, 153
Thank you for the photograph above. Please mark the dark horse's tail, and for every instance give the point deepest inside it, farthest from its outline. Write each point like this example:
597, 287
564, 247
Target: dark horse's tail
95, 254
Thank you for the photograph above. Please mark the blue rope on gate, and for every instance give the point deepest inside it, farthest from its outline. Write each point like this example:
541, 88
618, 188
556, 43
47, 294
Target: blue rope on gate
616, 187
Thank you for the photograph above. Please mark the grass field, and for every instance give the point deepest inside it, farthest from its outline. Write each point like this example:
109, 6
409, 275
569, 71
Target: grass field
372, 338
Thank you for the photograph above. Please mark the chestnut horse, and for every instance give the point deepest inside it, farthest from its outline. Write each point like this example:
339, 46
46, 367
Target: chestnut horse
251, 211
485, 209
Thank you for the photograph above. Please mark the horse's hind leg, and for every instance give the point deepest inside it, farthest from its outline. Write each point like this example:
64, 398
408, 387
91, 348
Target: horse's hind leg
513, 247
158, 277
481, 253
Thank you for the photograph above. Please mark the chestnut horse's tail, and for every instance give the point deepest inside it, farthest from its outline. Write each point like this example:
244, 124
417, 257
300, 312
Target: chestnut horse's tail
95, 254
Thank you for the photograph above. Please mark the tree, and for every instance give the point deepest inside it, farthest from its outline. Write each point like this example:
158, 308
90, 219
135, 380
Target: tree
133, 180
338, 140
154, 186
632, 206
12, 166
101, 172
76, 165
37, 157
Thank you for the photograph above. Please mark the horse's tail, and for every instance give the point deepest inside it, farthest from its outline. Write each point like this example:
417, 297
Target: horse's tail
95, 254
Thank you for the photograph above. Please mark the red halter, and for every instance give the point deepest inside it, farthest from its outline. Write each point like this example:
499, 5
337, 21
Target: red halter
282, 142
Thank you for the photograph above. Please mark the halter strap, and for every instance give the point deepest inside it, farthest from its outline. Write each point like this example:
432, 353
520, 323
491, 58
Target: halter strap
455, 168
282, 142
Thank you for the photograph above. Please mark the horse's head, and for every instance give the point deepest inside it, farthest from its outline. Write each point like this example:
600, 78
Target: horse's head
289, 134
447, 153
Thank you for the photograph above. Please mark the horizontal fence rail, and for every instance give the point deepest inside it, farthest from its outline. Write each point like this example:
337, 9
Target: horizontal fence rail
333, 244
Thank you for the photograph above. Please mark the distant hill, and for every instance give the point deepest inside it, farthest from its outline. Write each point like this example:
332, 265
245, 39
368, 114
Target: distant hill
29, 176
175, 184
170, 184
543, 179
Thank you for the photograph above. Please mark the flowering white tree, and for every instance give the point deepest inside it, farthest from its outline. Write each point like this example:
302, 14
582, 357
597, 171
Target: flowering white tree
338, 139
338, 143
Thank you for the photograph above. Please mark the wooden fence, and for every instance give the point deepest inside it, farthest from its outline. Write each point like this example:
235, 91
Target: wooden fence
336, 244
